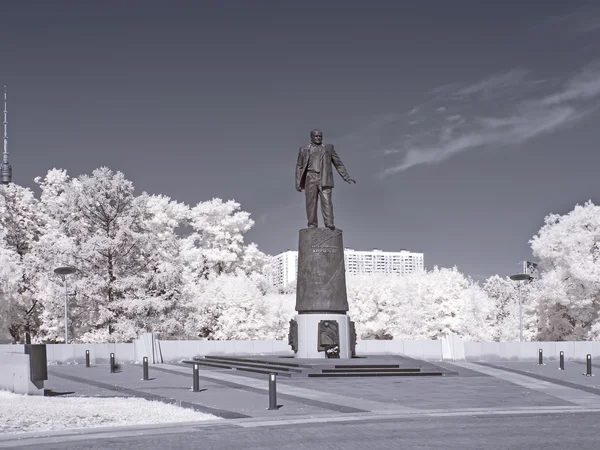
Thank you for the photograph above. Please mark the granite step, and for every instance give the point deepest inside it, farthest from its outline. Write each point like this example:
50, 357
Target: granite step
374, 374
239, 363
366, 369
251, 360
265, 370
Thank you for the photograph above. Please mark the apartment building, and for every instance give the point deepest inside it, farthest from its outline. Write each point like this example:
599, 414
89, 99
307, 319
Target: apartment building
284, 266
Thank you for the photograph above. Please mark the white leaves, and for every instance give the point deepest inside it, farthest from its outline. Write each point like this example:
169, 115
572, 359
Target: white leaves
135, 270
149, 263
505, 307
234, 306
216, 245
424, 305
565, 298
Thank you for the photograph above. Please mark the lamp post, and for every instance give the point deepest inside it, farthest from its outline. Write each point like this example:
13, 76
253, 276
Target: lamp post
520, 277
63, 272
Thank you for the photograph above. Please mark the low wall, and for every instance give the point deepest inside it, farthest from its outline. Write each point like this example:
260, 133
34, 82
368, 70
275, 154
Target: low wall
450, 348
528, 351
144, 346
167, 351
12, 348
427, 350
99, 353
177, 350
15, 373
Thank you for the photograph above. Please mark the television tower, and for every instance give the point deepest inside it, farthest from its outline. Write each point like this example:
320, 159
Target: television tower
5, 168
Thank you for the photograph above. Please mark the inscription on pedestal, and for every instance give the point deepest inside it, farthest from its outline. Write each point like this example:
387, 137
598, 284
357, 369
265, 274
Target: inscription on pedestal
324, 248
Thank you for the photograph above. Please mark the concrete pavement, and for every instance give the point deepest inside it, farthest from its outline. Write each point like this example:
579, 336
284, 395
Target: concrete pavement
322, 413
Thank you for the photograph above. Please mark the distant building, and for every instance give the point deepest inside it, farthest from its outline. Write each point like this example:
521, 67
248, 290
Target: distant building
284, 266
377, 261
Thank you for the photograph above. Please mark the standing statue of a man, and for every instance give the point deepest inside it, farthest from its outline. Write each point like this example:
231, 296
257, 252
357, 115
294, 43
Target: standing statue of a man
315, 175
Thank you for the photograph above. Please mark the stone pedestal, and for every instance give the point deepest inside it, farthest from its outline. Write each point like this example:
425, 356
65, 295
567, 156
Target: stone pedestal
321, 281
308, 335
321, 329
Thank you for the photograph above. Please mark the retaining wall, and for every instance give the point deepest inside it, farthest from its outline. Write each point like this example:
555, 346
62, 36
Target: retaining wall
166, 351
450, 348
15, 372
528, 351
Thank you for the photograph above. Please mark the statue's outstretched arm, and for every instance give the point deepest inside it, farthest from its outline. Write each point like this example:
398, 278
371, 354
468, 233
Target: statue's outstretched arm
339, 165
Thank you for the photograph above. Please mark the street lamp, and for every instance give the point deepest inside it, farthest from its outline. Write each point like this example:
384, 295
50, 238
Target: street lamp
520, 277
63, 272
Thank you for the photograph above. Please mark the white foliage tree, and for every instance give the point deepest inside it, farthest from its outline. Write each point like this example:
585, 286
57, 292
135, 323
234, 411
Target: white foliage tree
566, 298
10, 276
216, 245
216, 261
135, 272
375, 302
21, 225
125, 251
503, 294
234, 306
452, 303
423, 305
159, 305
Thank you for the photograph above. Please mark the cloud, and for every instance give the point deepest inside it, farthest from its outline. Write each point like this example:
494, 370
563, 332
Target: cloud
494, 84
584, 85
482, 118
582, 20
489, 87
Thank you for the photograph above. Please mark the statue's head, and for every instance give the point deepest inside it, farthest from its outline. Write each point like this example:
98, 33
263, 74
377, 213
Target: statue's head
316, 137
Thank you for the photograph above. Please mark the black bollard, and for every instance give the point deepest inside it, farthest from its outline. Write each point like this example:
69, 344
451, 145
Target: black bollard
541, 357
112, 363
562, 361
588, 366
272, 391
196, 378
145, 368
87, 358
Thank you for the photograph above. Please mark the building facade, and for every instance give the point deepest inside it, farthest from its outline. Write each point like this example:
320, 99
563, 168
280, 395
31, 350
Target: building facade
284, 266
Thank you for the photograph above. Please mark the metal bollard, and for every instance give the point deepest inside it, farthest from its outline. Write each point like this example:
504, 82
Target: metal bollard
588, 366
541, 357
196, 378
562, 361
272, 391
112, 363
145, 368
87, 358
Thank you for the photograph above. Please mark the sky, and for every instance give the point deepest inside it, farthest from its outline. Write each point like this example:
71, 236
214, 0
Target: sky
464, 123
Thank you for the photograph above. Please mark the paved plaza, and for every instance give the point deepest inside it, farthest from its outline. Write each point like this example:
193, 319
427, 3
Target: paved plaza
483, 405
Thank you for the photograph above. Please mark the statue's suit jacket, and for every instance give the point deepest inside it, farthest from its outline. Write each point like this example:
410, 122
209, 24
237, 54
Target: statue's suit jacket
328, 158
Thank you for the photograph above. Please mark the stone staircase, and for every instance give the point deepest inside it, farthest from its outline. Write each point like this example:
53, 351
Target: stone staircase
375, 366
